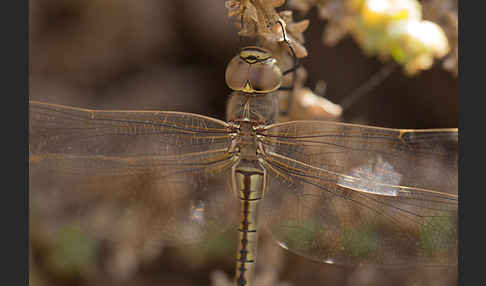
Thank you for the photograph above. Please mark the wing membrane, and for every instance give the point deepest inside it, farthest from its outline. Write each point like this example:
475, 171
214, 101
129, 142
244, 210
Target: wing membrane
159, 176
350, 194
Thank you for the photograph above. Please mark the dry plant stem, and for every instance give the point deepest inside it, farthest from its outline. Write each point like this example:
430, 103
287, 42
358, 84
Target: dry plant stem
369, 85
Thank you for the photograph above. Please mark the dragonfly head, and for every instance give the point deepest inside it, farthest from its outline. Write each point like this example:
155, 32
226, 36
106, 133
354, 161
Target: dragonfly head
253, 70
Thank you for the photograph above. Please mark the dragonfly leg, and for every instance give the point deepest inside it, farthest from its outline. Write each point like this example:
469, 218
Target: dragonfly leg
292, 70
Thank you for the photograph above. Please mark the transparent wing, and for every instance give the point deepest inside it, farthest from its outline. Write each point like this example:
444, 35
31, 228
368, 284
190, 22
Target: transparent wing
131, 176
349, 194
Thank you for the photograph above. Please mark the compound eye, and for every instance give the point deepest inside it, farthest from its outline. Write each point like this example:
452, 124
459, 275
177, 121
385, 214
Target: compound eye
254, 70
265, 77
237, 73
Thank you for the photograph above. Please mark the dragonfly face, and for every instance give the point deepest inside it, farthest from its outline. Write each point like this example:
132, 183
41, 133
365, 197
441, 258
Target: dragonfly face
253, 70
332, 192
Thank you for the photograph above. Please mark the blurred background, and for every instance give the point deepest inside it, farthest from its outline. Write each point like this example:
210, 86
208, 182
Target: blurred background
171, 55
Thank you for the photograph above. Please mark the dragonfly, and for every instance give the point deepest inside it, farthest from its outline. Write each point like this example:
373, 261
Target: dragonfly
329, 191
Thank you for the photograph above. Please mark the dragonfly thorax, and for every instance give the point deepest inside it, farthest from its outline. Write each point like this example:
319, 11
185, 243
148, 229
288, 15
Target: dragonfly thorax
254, 71
246, 141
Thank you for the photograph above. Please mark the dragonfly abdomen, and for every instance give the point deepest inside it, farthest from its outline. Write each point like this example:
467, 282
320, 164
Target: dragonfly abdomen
249, 183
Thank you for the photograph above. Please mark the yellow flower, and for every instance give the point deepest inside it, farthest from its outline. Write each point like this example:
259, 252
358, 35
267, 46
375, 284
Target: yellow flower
382, 12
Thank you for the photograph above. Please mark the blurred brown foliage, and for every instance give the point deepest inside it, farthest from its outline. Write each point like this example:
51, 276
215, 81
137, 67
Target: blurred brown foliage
171, 55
